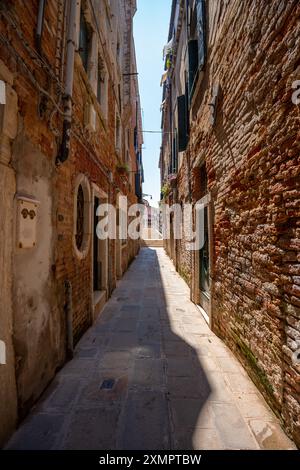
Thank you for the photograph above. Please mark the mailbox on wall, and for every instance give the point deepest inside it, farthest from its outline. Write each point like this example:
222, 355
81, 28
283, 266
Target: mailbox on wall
27, 211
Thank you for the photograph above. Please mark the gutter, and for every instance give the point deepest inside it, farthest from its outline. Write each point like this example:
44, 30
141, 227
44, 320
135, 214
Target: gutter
64, 151
40, 24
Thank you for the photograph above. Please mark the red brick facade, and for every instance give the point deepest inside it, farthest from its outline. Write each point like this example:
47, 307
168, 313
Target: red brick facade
50, 279
251, 157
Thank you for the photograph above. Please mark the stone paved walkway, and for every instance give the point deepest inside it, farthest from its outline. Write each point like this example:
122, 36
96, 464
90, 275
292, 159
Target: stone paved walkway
176, 386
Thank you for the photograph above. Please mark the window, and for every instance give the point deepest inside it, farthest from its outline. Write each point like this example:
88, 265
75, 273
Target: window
82, 216
174, 153
135, 139
197, 44
84, 41
203, 181
100, 80
182, 123
118, 134
118, 53
102, 85
128, 138
119, 95
201, 33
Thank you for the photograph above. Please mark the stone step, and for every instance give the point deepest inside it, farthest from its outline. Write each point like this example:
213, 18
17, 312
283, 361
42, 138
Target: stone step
152, 243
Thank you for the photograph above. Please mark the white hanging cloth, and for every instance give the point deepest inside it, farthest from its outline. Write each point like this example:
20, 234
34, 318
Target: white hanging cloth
168, 48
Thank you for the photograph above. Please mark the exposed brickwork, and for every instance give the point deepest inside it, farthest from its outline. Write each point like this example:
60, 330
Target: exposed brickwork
252, 161
39, 283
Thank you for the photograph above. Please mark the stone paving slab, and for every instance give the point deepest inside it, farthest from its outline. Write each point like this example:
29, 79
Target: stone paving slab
38, 432
150, 374
145, 422
93, 428
231, 427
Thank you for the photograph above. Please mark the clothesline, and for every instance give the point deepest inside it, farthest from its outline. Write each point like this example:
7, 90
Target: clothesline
157, 132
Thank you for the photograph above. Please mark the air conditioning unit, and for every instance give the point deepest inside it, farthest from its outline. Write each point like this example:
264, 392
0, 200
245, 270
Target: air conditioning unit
90, 117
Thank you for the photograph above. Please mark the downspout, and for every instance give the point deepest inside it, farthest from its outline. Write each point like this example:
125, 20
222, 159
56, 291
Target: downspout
40, 24
71, 46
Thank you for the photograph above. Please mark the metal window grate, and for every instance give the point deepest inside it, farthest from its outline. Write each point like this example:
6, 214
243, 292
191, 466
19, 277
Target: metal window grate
107, 384
80, 218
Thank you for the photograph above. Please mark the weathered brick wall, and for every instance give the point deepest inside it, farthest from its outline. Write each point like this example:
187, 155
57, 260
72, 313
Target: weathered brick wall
39, 274
38, 330
252, 160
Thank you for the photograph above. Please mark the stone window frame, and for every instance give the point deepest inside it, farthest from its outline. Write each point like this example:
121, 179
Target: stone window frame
83, 181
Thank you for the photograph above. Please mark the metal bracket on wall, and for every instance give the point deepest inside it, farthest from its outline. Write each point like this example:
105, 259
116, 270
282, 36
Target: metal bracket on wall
214, 104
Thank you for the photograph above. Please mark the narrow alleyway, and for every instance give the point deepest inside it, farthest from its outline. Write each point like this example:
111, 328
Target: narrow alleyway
151, 375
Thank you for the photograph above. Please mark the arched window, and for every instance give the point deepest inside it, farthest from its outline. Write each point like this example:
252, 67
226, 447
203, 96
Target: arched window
82, 216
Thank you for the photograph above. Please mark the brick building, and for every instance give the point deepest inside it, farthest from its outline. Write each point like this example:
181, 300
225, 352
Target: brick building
70, 138
231, 141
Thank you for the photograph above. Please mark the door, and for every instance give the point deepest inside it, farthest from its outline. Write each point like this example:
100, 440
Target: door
97, 265
204, 263
204, 254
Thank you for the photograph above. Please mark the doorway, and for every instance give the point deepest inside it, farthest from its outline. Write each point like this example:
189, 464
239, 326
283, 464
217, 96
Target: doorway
99, 258
203, 255
97, 271
204, 266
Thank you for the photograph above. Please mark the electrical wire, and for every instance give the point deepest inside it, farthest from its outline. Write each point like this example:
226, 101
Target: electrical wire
157, 132
34, 55
30, 74
40, 61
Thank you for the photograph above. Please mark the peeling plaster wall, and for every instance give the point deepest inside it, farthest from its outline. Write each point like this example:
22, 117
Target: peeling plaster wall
8, 129
8, 396
38, 326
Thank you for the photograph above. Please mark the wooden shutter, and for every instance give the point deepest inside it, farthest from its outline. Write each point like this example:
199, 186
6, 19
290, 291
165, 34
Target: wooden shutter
182, 123
138, 185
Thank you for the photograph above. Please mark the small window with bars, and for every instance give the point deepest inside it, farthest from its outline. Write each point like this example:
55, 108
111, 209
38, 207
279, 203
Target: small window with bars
80, 218
101, 81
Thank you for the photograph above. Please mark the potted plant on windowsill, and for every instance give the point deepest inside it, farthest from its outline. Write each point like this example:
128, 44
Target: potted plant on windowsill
165, 190
122, 169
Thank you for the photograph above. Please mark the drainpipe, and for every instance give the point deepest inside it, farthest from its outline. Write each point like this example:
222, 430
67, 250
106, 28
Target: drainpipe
69, 318
40, 23
71, 46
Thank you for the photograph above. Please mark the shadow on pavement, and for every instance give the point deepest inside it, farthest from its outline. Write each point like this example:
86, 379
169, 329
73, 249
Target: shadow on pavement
134, 382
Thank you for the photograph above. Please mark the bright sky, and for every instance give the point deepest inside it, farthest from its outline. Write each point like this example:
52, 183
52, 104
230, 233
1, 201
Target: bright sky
151, 28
